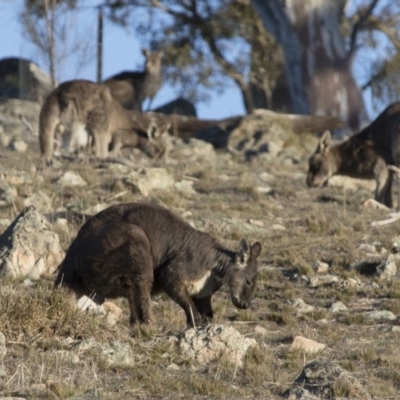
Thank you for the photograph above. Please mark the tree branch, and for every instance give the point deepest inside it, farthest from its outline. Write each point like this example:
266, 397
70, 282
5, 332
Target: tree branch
358, 25
390, 32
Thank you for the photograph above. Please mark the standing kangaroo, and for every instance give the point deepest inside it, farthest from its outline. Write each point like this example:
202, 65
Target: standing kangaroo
82, 110
137, 250
365, 155
132, 88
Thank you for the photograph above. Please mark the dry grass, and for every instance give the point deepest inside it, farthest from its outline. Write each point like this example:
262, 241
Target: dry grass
319, 225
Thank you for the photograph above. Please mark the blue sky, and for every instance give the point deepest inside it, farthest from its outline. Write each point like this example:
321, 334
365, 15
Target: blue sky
122, 52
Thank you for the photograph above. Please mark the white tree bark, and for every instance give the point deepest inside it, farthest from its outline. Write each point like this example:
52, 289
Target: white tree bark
316, 57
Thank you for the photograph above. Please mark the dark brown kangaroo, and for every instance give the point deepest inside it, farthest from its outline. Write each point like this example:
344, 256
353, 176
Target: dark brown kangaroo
132, 88
137, 250
365, 155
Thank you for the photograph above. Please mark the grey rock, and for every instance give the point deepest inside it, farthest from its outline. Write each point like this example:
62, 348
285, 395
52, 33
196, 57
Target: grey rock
113, 353
40, 201
321, 267
338, 307
149, 179
18, 145
323, 280
300, 394
388, 268
29, 247
383, 315
8, 194
301, 306
207, 343
320, 377
185, 187
71, 178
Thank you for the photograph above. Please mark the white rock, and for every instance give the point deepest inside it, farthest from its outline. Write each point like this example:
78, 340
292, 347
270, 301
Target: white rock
149, 179
301, 306
383, 315
323, 280
71, 178
338, 307
29, 247
321, 267
307, 345
113, 353
388, 268
18, 145
40, 201
185, 187
207, 343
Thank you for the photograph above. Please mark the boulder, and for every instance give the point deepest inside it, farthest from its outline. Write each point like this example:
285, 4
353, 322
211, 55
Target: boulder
29, 247
208, 343
22, 79
321, 377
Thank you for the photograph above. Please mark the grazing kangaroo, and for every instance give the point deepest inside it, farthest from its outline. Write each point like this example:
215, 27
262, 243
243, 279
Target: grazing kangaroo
365, 155
132, 88
137, 250
82, 110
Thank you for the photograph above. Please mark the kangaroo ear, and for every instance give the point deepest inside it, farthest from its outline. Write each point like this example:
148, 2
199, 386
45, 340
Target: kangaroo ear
152, 131
324, 142
244, 251
256, 249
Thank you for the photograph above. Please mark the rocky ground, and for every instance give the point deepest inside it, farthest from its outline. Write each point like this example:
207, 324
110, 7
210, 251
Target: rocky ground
324, 323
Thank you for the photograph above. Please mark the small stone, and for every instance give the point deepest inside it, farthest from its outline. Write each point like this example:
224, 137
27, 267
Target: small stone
256, 222
28, 283
71, 178
323, 280
264, 189
383, 315
338, 307
321, 267
173, 366
266, 177
396, 328
369, 248
260, 330
185, 187
278, 227
18, 145
307, 345
301, 306
388, 268
85, 303
205, 344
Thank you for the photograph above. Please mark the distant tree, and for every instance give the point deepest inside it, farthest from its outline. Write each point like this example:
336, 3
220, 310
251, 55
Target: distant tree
208, 44
306, 66
319, 54
52, 26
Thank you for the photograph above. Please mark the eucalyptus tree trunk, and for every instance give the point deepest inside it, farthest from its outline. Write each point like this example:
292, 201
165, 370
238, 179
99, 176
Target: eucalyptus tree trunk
318, 67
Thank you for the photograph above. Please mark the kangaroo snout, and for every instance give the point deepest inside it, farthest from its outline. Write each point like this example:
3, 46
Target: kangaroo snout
242, 304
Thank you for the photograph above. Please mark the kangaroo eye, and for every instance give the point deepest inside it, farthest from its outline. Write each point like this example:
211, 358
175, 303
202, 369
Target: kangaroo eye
248, 283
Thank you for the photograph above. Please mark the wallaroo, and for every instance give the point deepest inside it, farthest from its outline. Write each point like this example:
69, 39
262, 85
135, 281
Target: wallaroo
132, 88
365, 155
137, 250
82, 112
